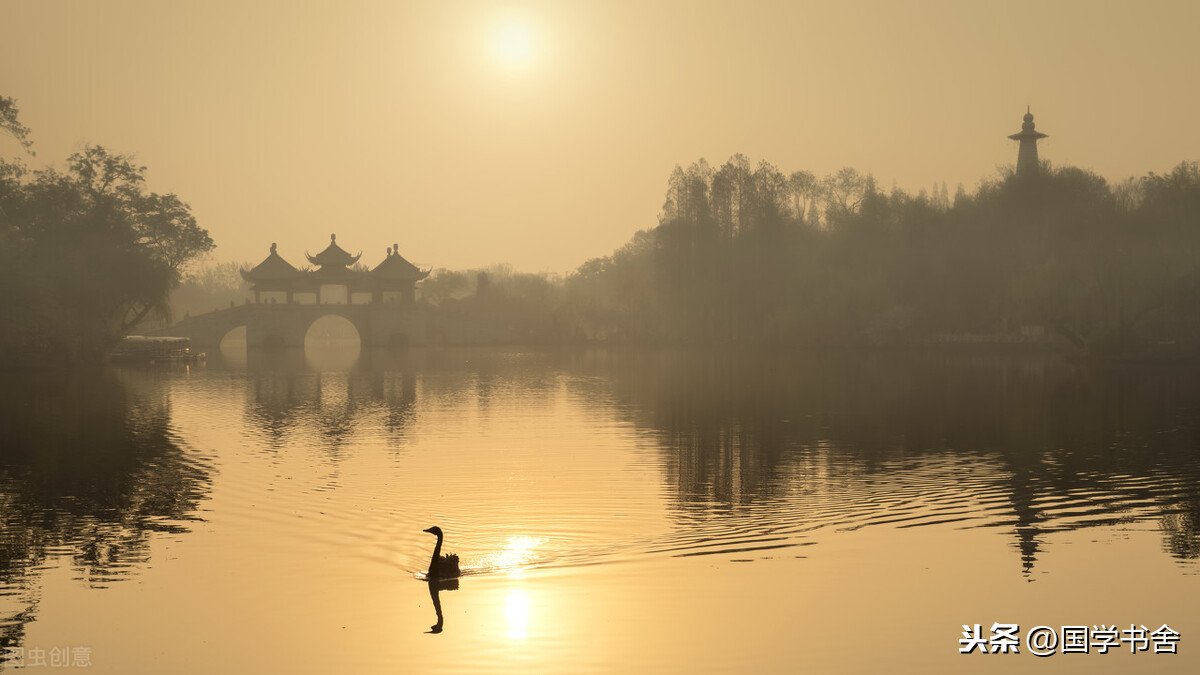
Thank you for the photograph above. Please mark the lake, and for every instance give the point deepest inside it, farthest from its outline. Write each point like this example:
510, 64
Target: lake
645, 511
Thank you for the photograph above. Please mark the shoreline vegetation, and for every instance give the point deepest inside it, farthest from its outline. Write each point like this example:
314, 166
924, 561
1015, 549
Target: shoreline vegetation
1053, 259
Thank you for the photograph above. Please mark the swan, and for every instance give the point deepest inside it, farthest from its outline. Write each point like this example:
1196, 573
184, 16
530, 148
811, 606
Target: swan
441, 566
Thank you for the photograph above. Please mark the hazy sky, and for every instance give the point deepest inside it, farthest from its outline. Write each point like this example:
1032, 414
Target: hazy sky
542, 134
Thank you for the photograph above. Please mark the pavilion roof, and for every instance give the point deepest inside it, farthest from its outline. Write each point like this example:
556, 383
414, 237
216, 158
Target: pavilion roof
273, 268
333, 255
395, 268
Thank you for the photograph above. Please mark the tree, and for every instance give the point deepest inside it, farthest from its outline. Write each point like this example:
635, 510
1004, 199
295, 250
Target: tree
11, 125
847, 188
805, 192
87, 254
445, 284
213, 286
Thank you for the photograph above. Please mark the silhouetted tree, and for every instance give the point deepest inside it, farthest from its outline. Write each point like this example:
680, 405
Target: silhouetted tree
806, 190
847, 188
11, 125
86, 254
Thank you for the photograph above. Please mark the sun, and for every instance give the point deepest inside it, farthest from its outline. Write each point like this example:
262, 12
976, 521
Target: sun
514, 44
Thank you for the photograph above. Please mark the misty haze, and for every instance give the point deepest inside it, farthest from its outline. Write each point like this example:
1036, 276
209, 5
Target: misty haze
599, 337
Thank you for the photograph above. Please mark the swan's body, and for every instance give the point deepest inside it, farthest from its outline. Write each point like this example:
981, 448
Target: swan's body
441, 566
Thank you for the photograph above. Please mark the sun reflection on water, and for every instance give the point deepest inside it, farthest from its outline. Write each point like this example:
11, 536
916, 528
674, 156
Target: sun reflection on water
516, 610
518, 553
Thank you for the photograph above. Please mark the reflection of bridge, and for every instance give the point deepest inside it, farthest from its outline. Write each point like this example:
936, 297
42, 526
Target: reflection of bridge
285, 325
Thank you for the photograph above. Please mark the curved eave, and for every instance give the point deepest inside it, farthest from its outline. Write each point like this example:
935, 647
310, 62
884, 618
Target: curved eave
335, 273
1035, 135
320, 260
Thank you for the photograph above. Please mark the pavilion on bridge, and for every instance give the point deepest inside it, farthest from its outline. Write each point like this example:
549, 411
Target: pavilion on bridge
335, 281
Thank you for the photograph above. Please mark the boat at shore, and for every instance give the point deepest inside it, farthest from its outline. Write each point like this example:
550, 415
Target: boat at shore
146, 349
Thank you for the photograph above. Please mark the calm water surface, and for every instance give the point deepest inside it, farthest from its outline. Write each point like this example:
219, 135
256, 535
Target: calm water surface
646, 511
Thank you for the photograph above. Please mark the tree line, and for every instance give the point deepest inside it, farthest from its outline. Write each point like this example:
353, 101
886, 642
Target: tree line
741, 254
757, 256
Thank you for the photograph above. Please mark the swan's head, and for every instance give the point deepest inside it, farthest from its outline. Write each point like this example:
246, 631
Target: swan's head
435, 530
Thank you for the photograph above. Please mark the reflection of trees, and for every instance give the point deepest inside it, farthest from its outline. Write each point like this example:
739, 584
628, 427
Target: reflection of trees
724, 421
88, 468
1071, 446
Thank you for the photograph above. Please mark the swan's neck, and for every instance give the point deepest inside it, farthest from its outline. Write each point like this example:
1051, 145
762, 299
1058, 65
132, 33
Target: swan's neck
433, 562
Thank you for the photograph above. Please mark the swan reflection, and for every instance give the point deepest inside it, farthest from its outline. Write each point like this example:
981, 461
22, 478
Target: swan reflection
436, 586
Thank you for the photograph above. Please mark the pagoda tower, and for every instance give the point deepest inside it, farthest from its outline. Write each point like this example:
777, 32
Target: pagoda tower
1027, 157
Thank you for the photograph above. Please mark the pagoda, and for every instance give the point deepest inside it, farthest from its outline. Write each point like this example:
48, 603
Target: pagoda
1027, 155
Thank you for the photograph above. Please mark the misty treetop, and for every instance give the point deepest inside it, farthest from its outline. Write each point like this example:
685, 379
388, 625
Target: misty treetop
86, 254
11, 124
759, 256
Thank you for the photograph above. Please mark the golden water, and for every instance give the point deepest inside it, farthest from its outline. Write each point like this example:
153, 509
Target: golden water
643, 511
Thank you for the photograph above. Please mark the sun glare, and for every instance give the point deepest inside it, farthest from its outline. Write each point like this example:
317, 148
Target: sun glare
516, 610
514, 44
518, 553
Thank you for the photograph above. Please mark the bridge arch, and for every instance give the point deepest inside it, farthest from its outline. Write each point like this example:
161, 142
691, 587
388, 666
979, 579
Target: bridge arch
333, 342
332, 327
232, 345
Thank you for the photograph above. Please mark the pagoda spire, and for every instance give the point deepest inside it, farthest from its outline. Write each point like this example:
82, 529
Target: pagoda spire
1027, 155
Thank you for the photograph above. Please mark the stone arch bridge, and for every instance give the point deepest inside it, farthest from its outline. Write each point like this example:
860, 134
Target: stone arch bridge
279, 325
